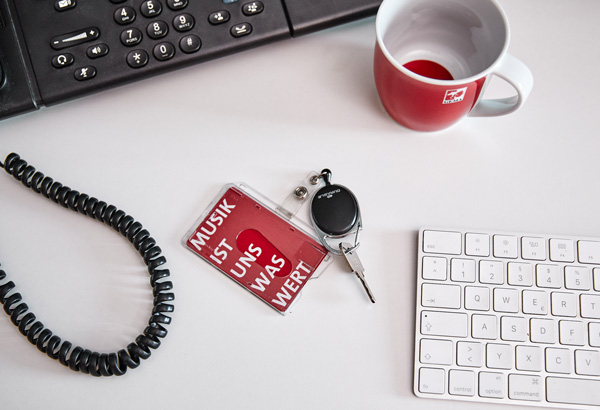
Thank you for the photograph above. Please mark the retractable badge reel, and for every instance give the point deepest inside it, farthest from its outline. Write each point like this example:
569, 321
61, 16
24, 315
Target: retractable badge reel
336, 218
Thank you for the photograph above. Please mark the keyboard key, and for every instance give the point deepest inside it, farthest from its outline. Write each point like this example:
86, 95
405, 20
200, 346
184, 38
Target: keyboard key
431, 380
548, 276
588, 252
499, 356
590, 306
594, 333
573, 391
434, 268
469, 354
520, 274
533, 248
506, 300
462, 270
477, 244
491, 272
535, 302
442, 242
596, 278
441, 296
477, 298
505, 246
542, 331
587, 362
529, 358
525, 387
444, 324
562, 250
433, 351
577, 278
513, 328
571, 333
462, 383
558, 360
492, 385
484, 327
564, 304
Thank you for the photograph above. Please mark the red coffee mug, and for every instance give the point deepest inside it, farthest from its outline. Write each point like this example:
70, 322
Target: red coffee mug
434, 59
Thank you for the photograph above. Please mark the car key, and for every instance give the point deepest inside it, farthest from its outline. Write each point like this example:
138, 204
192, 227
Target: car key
336, 217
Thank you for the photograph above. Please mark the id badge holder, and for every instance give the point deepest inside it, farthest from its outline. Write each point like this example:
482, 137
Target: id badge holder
262, 246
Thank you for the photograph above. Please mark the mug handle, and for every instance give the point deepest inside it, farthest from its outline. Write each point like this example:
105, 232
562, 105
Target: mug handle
516, 74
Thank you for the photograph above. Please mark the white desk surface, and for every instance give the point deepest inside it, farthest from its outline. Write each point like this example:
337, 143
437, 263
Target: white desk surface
161, 149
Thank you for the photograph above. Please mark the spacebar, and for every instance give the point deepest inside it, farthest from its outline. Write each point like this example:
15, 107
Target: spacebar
573, 391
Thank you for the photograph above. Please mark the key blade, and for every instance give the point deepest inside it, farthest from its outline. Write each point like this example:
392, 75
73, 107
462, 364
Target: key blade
356, 265
351, 258
361, 276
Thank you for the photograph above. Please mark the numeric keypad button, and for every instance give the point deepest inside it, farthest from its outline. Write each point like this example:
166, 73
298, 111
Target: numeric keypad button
183, 22
163, 51
131, 37
137, 58
190, 44
177, 4
151, 8
124, 15
158, 29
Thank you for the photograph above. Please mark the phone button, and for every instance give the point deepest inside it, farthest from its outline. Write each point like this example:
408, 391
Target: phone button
85, 73
99, 50
163, 51
131, 37
190, 44
177, 4
240, 30
137, 58
62, 5
74, 38
124, 15
62, 60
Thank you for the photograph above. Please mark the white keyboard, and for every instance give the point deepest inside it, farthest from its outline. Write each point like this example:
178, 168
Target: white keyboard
508, 318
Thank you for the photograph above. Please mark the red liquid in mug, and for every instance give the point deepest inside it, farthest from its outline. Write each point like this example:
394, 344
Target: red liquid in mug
429, 69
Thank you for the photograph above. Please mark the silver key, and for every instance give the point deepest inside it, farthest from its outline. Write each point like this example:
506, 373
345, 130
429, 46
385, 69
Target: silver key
354, 263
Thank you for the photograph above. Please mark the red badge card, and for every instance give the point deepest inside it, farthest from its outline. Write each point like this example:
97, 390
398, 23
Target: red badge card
258, 249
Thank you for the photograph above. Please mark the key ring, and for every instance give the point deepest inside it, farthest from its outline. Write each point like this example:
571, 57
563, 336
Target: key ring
356, 242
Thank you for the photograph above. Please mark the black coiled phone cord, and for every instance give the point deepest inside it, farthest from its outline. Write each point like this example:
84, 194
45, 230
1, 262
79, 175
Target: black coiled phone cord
78, 358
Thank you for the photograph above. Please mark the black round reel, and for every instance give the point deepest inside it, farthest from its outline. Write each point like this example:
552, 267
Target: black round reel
78, 358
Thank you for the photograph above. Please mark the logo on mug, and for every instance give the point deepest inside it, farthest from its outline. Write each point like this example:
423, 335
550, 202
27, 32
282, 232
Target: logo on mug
454, 96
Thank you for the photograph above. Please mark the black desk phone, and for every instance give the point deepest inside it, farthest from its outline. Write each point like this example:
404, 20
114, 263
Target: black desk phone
52, 51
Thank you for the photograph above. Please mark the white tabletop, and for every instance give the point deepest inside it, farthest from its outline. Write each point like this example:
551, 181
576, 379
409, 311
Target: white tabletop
163, 148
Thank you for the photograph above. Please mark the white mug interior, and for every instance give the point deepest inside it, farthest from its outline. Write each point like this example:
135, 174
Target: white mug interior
466, 37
